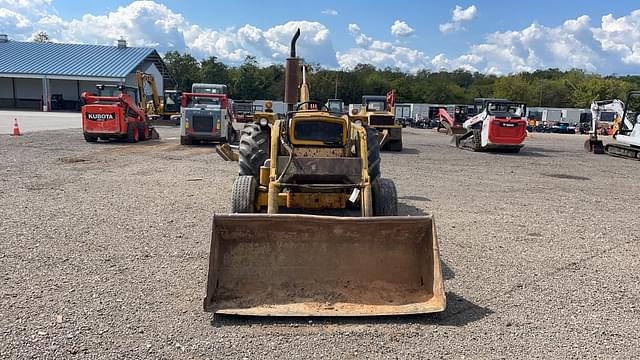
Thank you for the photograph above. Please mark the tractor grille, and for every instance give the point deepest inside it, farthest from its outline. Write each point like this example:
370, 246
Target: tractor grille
381, 120
202, 123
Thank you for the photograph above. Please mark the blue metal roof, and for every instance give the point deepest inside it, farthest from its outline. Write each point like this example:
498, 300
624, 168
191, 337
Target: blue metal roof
70, 59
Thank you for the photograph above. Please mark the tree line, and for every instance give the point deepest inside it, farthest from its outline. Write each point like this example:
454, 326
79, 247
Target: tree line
551, 87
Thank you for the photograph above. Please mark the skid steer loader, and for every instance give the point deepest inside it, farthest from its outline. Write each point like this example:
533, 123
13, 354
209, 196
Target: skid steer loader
500, 125
297, 261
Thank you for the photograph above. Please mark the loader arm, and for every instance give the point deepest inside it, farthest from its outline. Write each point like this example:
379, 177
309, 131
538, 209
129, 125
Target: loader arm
304, 89
142, 79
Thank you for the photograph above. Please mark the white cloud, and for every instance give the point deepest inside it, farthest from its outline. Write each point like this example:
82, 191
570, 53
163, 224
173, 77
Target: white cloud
446, 27
612, 45
381, 54
330, 12
620, 36
28, 8
21, 16
458, 16
401, 29
10, 19
151, 24
534, 47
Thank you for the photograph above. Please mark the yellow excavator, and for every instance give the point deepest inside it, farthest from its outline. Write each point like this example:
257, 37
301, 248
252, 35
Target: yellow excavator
314, 229
166, 107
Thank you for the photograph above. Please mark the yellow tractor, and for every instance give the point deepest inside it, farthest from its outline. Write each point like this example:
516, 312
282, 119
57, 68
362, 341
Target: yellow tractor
280, 254
378, 113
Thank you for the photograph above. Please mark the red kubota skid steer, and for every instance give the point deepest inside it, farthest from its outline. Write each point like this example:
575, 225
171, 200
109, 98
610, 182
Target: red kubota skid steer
500, 125
114, 116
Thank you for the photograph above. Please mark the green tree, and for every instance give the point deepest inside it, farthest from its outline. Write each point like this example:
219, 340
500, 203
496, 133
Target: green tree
513, 87
214, 71
598, 88
184, 68
550, 87
41, 37
249, 84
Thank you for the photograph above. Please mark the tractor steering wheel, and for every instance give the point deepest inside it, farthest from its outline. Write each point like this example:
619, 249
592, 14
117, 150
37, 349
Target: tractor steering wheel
319, 106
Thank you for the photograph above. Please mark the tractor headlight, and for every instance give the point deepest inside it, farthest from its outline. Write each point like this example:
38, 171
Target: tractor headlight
264, 121
358, 122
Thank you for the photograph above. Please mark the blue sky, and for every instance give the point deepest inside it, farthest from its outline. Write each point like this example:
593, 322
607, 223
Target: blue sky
487, 36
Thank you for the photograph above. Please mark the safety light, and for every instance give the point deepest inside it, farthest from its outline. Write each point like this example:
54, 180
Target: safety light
268, 104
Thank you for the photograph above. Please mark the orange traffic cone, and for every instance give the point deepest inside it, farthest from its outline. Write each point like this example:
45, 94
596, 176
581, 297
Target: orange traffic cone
16, 128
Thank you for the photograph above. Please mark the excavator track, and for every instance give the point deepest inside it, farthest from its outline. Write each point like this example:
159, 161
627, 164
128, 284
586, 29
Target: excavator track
622, 151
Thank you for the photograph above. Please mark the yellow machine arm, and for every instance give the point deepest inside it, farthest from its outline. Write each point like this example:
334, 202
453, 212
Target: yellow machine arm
304, 88
156, 105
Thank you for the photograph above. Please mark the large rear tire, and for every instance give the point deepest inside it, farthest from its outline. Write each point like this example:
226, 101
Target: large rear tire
133, 133
373, 155
385, 197
243, 195
253, 150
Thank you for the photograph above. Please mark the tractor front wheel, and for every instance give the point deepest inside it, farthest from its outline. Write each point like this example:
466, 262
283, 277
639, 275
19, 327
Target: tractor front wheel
243, 195
385, 197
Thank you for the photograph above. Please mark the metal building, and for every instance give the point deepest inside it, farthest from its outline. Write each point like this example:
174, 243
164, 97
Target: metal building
51, 76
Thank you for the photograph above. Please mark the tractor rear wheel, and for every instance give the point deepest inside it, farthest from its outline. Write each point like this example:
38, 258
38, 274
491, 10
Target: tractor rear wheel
253, 150
373, 155
243, 195
133, 133
385, 197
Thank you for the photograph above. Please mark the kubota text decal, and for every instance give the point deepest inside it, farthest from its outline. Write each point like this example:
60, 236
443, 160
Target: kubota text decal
101, 117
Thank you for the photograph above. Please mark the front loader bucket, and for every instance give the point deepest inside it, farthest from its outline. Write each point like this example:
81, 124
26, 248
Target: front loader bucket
226, 152
306, 265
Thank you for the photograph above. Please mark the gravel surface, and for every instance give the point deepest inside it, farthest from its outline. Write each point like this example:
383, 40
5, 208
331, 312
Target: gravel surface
104, 254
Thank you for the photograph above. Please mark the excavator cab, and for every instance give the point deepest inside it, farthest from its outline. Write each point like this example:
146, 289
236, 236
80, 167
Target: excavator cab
171, 101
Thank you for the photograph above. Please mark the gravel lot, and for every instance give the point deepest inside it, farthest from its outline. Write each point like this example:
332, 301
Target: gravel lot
104, 254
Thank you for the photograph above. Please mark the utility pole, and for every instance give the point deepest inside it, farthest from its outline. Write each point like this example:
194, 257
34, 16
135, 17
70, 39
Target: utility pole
335, 94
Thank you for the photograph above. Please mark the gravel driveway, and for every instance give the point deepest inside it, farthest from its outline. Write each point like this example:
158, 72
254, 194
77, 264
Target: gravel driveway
104, 249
